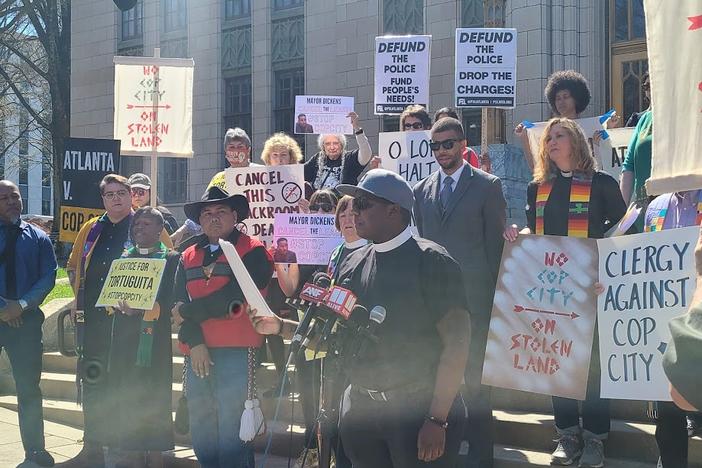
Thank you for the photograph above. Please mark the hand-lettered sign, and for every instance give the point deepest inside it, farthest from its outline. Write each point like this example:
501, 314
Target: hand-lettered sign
408, 154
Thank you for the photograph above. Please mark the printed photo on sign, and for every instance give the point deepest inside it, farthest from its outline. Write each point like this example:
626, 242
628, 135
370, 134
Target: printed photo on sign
323, 114
306, 239
408, 154
154, 106
269, 190
543, 317
401, 73
649, 279
135, 281
85, 162
486, 67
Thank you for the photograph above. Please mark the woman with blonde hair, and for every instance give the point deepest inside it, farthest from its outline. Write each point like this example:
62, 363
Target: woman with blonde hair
569, 197
281, 149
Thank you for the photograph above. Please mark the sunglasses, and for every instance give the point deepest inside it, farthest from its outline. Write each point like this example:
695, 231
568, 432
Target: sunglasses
416, 126
446, 144
323, 207
364, 202
138, 191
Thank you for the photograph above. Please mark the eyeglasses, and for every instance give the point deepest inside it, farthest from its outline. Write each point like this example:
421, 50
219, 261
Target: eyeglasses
446, 144
364, 202
112, 195
416, 126
323, 207
138, 191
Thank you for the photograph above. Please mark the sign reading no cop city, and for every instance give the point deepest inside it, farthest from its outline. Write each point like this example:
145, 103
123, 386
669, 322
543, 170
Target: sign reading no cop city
486, 67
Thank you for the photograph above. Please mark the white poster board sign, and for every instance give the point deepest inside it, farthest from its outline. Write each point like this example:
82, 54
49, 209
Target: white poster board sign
612, 150
253, 296
408, 154
589, 126
323, 114
649, 279
304, 238
486, 67
401, 73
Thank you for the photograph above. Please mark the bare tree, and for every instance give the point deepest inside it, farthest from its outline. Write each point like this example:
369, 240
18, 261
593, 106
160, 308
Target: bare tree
47, 25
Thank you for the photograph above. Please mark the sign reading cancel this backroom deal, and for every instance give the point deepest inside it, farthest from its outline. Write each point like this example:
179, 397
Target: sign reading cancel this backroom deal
486, 67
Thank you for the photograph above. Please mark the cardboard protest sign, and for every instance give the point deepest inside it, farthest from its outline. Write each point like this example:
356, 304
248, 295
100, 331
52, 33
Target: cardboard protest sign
270, 190
306, 239
648, 279
85, 162
401, 73
253, 296
672, 36
588, 125
612, 150
133, 280
486, 67
323, 114
408, 154
543, 316
154, 106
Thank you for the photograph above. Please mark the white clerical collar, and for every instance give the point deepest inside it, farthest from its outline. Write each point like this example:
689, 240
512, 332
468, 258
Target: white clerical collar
456, 176
355, 244
395, 242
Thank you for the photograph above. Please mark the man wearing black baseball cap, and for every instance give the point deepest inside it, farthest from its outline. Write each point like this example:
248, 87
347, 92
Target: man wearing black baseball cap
402, 408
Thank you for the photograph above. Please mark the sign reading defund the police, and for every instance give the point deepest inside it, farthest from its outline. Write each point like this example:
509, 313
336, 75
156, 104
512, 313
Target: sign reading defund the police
85, 162
134, 281
401, 72
648, 279
269, 190
408, 154
486, 67
543, 317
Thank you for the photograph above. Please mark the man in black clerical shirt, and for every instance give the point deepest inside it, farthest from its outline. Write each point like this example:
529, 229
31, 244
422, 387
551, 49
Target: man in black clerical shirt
402, 408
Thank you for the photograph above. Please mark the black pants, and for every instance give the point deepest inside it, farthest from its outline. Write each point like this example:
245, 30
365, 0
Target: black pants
24, 347
308, 382
671, 435
383, 434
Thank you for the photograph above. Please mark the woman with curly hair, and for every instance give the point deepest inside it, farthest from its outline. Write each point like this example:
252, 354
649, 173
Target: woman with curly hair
565, 176
281, 149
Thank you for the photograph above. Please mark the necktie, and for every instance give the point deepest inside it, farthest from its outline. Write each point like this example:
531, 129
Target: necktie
446, 192
12, 232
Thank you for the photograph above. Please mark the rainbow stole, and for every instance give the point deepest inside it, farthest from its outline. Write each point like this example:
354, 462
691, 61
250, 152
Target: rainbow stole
657, 220
578, 207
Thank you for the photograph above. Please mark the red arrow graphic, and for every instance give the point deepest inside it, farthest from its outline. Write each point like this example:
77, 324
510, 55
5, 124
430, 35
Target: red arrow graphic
132, 106
696, 22
518, 309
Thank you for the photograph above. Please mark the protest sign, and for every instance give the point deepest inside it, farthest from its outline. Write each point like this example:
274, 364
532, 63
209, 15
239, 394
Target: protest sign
486, 67
85, 162
253, 296
323, 114
270, 190
306, 239
154, 106
588, 125
672, 36
543, 317
648, 279
612, 150
408, 154
401, 73
133, 280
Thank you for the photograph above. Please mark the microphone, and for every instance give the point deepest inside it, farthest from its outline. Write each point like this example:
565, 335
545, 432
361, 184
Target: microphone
376, 317
362, 334
341, 302
314, 293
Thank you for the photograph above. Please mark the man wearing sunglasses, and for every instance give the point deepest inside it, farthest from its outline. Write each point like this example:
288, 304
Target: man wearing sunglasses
463, 209
140, 188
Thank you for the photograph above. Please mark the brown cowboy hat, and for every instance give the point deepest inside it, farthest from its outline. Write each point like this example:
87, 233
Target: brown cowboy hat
216, 196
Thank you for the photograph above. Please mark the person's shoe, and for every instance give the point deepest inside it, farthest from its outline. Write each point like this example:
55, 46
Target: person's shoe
593, 454
39, 457
311, 461
568, 449
90, 456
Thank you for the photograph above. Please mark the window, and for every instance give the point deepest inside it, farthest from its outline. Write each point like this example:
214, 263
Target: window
285, 4
472, 14
129, 165
629, 20
172, 180
237, 103
132, 22
391, 123
403, 16
23, 131
136, 51
237, 9
288, 84
23, 180
174, 15
288, 40
472, 125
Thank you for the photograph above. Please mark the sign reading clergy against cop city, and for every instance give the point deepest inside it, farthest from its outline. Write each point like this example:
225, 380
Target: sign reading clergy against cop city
306, 239
85, 162
649, 279
133, 280
486, 67
408, 154
401, 72
543, 317
323, 114
269, 190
